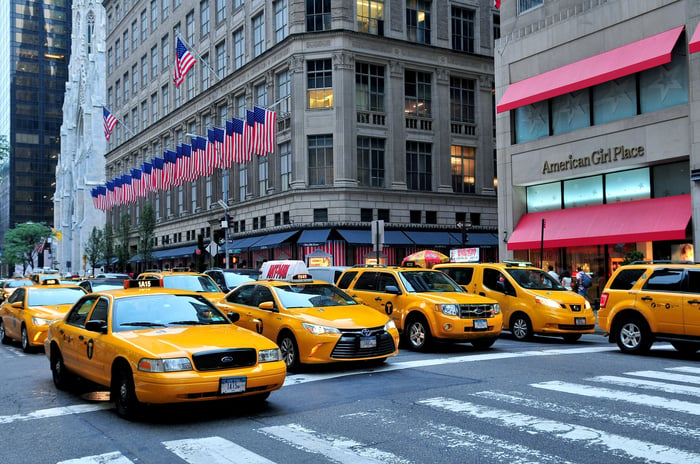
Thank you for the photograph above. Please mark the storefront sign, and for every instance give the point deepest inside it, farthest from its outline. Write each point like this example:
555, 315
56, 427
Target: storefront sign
600, 156
464, 255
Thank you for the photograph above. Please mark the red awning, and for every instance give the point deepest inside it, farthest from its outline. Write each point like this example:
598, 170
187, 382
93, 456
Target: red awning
619, 62
694, 44
631, 221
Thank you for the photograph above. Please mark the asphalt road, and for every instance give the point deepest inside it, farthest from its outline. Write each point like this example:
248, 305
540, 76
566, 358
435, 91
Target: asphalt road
543, 401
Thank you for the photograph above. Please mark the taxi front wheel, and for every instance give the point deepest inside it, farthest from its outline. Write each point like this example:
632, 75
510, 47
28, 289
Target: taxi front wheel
61, 377
290, 351
417, 334
24, 339
3, 336
521, 327
124, 394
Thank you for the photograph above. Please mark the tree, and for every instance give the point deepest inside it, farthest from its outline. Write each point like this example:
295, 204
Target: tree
24, 242
147, 228
632, 256
108, 251
94, 248
123, 246
4, 149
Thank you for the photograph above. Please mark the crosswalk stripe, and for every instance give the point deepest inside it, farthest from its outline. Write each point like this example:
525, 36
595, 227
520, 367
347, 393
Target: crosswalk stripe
581, 435
338, 449
617, 395
107, 458
666, 376
215, 450
648, 384
688, 369
55, 412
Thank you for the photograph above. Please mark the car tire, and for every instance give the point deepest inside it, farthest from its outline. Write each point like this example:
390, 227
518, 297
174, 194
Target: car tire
483, 343
62, 379
632, 335
24, 340
571, 338
417, 334
686, 347
521, 327
124, 394
290, 351
3, 336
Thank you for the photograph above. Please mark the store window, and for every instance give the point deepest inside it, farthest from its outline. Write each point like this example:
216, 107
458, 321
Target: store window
544, 197
634, 184
370, 16
586, 191
320, 83
571, 111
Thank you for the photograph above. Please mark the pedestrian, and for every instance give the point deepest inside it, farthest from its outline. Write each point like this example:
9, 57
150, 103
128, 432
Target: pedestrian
566, 280
552, 273
584, 282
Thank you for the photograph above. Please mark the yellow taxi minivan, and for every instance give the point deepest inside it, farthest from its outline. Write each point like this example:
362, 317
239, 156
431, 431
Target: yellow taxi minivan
531, 300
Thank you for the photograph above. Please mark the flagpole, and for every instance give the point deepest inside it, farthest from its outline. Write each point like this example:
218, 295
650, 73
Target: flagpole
189, 47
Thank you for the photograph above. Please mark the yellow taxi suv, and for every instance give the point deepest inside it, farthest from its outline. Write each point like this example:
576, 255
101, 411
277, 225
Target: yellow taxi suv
27, 313
425, 305
156, 345
10, 285
649, 301
312, 321
184, 279
532, 301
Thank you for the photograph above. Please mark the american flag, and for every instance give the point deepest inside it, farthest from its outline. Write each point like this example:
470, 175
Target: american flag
137, 183
497, 3
249, 135
229, 147
146, 180
109, 121
199, 151
219, 145
265, 121
184, 61
238, 136
157, 174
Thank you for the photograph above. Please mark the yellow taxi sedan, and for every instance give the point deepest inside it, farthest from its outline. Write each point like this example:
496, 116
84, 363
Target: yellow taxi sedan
157, 345
10, 285
312, 321
27, 313
184, 279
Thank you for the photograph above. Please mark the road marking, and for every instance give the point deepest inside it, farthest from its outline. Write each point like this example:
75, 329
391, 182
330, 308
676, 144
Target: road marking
688, 369
666, 376
298, 379
55, 412
617, 395
213, 450
580, 435
108, 458
337, 449
648, 384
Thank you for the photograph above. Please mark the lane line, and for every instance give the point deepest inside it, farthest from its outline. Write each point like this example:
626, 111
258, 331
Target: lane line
337, 449
660, 402
107, 458
577, 434
648, 384
213, 450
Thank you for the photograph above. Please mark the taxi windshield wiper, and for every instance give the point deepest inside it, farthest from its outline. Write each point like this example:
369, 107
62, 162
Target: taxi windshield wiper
187, 323
142, 324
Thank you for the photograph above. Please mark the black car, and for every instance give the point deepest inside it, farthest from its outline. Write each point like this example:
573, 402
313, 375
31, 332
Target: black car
228, 279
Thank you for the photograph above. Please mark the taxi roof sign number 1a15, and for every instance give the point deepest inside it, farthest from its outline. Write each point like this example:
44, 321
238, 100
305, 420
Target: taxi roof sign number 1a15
464, 255
287, 270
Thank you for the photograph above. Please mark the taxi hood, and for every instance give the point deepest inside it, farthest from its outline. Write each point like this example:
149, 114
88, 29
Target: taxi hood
51, 312
342, 317
452, 297
179, 341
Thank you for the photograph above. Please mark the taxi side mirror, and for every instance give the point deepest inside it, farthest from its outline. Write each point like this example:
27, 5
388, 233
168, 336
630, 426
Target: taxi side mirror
96, 325
18, 305
233, 317
392, 289
267, 306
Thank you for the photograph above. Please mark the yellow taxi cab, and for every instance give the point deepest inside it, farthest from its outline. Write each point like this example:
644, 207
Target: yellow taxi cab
312, 321
425, 305
39, 277
27, 313
185, 279
156, 345
10, 285
650, 301
532, 301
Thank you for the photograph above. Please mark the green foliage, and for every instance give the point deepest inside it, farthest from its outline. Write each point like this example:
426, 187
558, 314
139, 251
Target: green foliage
123, 253
94, 248
632, 256
147, 229
108, 249
200, 257
23, 242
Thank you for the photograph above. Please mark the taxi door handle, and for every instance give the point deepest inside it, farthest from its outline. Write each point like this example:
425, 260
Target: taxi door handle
694, 301
379, 298
647, 298
80, 337
482, 293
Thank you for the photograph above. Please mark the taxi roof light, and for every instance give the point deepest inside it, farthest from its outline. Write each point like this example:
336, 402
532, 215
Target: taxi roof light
288, 270
143, 283
511, 262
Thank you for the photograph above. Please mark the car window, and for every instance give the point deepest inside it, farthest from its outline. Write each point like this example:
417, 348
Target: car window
461, 275
17, 295
535, 279
312, 296
347, 279
428, 281
194, 283
101, 310
626, 278
496, 281
665, 280
693, 285
234, 280
261, 295
80, 310
53, 296
384, 279
367, 281
242, 295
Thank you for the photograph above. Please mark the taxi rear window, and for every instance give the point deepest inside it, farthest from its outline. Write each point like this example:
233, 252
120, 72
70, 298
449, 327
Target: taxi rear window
626, 279
192, 283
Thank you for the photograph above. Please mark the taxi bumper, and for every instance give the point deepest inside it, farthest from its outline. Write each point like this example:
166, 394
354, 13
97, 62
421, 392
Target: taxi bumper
336, 348
455, 328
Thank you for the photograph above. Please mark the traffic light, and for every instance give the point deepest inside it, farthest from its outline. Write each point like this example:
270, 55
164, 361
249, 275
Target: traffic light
234, 259
465, 236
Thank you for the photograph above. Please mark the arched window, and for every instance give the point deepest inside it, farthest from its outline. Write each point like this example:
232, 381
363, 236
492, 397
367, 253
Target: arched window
90, 31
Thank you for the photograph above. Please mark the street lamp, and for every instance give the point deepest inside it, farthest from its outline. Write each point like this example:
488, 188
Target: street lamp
224, 202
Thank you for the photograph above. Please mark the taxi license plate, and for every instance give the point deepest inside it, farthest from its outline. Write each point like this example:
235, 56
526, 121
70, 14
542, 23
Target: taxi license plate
580, 321
229, 385
368, 342
481, 324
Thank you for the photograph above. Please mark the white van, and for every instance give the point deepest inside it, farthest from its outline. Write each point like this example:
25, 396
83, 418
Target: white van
328, 274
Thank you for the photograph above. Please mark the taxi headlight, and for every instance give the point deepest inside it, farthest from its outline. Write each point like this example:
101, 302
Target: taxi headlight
389, 325
448, 309
165, 365
41, 321
319, 329
547, 302
266, 356
496, 308
587, 305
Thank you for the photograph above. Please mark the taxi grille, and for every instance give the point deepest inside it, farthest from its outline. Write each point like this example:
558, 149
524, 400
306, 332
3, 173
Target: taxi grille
348, 346
224, 359
575, 327
475, 311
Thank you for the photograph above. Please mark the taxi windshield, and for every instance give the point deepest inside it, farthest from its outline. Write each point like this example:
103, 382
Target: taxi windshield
193, 283
312, 296
164, 310
428, 281
53, 296
535, 279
